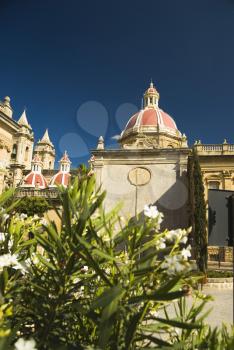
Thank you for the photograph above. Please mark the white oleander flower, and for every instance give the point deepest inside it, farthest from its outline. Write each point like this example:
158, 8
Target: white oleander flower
186, 253
161, 243
85, 268
23, 344
173, 264
151, 211
184, 239
7, 260
2, 236
173, 235
23, 216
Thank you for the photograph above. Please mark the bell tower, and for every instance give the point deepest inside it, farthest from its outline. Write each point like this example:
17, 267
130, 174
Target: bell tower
45, 149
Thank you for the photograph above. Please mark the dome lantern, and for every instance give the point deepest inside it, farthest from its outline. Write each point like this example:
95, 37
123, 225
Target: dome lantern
151, 97
65, 163
62, 177
36, 164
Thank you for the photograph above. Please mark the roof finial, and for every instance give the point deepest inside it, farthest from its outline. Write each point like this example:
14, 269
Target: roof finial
151, 83
100, 144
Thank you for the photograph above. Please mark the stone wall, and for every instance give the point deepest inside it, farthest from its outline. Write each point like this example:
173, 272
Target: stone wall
223, 254
145, 177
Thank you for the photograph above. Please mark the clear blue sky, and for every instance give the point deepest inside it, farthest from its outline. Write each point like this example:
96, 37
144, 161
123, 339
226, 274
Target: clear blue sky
57, 55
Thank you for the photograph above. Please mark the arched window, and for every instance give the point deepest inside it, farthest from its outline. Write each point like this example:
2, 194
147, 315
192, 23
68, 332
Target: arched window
50, 165
213, 185
26, 154
14, 152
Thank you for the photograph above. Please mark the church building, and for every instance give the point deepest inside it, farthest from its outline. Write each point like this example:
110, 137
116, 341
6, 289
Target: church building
148, 168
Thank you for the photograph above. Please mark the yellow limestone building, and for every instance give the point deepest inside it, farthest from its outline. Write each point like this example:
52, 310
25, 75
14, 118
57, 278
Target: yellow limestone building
150, 166
17, 147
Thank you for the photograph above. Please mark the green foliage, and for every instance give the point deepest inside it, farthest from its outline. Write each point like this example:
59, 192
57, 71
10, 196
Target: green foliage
33, 206
99, 281
198, 212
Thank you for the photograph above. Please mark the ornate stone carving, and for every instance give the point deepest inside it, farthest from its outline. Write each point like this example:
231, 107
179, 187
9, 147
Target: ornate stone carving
143, 142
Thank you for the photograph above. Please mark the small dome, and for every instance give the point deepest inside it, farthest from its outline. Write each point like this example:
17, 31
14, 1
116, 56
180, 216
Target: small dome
61, 178
34, 179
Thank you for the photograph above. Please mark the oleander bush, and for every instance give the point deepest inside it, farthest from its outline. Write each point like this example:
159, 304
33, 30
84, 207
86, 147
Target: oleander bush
98, 282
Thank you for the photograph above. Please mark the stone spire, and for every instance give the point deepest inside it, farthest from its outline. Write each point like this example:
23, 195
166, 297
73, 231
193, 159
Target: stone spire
23, 120
45, 149
45, 138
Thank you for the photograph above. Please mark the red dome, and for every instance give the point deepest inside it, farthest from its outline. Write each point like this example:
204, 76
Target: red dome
151, 117
61, 178
34, 179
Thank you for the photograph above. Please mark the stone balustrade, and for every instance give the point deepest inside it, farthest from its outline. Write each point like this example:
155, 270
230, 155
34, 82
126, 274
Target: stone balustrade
34, 192
214, 149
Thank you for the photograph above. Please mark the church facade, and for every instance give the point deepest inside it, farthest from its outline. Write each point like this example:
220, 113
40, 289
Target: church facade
149, 166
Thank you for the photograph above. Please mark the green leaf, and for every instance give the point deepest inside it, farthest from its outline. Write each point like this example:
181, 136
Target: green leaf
158, 296
107, 297
183, 325
157, 341
3, 281
45, 262
133, 324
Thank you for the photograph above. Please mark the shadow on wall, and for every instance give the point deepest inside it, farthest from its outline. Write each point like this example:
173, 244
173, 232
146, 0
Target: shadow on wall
174, 204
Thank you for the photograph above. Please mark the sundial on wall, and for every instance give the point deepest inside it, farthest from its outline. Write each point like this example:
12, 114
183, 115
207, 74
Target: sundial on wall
139, 176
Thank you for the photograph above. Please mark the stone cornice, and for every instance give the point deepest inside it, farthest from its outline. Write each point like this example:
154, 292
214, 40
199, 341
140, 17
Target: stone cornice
125, 153
9, 122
